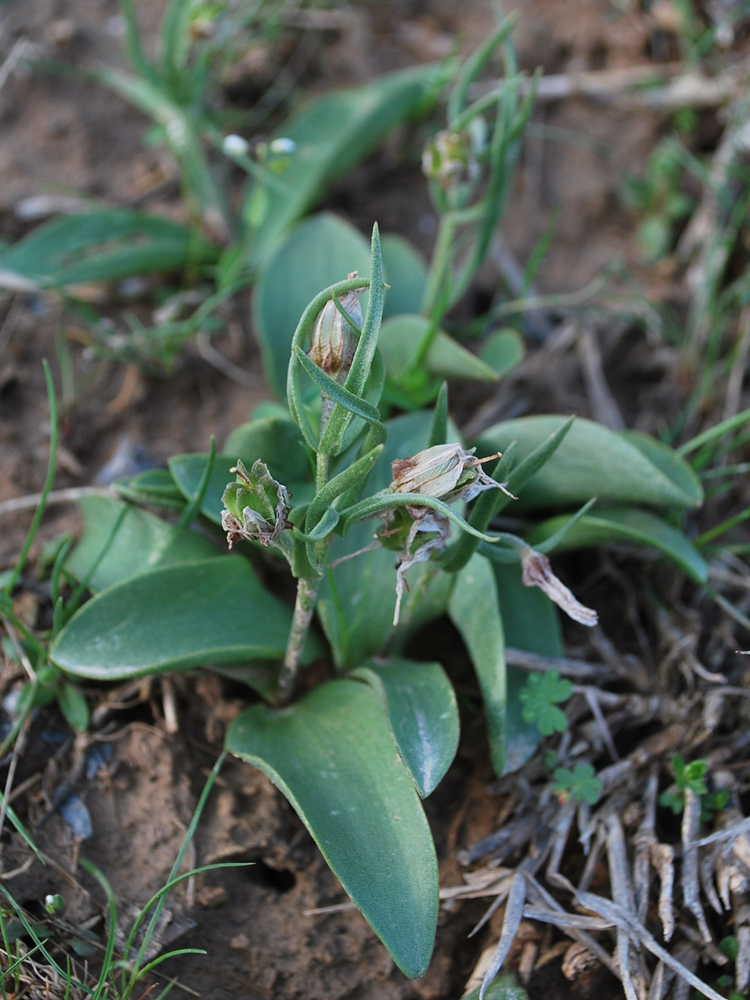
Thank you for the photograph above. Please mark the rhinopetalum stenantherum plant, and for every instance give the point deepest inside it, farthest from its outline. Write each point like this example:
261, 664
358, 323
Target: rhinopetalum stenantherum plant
370, 517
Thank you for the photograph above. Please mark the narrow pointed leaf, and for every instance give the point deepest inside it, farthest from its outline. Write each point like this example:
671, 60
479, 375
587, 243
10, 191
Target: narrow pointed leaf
423, 715
626, 524
339, 484
594, 461
140, 543
332, 756
191, 615
474, 610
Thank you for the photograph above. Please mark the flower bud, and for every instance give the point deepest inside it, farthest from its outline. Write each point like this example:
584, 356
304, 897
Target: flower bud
334, 341
537, 572
256, 506
451, 158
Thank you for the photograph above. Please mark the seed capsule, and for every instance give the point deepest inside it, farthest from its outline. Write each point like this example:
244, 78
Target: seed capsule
334, 341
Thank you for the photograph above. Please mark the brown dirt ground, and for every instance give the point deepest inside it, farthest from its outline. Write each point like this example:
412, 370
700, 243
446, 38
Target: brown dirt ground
60, 135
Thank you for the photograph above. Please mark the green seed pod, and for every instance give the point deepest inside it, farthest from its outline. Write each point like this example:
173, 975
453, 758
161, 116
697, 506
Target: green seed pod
335, 340
256, 506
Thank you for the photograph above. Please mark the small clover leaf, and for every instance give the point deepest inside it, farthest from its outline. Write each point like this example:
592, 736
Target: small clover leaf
580, 784
539, 696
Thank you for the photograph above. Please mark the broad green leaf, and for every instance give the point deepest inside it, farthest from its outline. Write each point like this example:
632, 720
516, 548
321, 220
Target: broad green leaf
531, 623
191, 615
626, 524
332, 755
502, 351
591, 461
317, 253
474, 610
154, 487
140, 543
277, 442
669, 462
400, 338
423, 715
103, 246
332, 134
406, 273
358, 597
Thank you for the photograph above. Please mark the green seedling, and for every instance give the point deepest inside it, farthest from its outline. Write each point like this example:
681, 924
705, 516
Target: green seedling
581, 784
692, 776
660, 199
540, 697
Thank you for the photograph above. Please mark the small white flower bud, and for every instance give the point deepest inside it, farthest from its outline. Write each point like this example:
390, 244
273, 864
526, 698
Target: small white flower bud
235, 145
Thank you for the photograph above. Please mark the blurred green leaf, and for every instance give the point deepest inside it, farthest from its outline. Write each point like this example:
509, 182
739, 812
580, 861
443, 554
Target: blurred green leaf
423, 715
593, 461
502, 988
141, 542
625, 524
73, 706
474, 610
502, 351
176, 618
102, 246
332, 755
331, 135
400, 338
406, 273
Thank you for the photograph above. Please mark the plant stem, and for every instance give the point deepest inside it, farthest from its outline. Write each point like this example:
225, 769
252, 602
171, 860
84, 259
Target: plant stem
303, 612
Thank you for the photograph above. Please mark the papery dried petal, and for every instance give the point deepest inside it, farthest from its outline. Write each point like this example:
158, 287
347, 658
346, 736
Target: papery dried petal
537, 572
334, 340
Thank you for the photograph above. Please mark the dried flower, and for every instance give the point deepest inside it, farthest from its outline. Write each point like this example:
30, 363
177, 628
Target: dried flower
256, 506
445, 471
437, 529
537, 572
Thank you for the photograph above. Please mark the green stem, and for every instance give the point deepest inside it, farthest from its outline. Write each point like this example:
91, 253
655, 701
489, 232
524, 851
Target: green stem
441, 259
303, 612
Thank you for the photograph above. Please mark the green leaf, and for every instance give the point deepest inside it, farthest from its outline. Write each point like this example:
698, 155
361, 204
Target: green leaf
591, 461
531, 623
669, 462
625, 524
502, 351
332, 134
74, 707
332, 756
502, 988
423, 715
141, 542
400, 338
474, 610
540, 696
317, 253
191, 615
406, 273
103, 246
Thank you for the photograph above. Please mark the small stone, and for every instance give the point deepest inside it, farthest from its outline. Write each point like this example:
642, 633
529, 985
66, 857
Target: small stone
240, 942
211, 897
